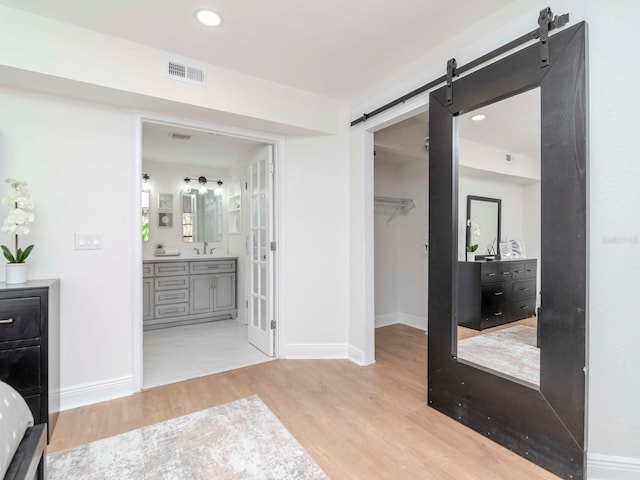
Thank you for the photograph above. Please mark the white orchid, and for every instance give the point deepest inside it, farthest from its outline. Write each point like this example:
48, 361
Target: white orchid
17, 222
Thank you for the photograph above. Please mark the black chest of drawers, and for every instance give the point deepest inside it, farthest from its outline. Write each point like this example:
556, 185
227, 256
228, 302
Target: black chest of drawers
497, 292
29, 345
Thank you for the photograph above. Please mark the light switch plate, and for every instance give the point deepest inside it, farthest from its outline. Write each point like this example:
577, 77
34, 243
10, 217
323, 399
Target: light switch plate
88, 241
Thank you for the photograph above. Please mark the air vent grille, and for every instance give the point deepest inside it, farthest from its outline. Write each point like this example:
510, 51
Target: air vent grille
185, 73
179, 136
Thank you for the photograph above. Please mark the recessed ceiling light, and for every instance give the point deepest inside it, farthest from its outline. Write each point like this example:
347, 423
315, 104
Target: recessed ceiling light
477, 118
208, 17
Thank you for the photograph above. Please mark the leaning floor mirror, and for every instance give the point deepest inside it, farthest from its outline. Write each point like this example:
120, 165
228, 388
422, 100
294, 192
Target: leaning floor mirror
530, 159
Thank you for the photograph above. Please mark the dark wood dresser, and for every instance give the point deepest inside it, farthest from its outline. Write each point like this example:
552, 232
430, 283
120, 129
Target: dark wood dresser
30, 345
492, 293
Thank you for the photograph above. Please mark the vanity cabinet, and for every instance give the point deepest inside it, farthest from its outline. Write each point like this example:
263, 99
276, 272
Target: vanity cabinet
496, 292
30, 345
194, 291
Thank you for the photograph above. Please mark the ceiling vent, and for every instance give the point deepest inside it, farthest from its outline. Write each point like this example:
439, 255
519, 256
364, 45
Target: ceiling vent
184, 72
179, 136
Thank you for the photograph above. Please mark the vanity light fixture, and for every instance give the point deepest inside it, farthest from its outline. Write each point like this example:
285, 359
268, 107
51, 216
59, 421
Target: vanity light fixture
479, 117
186, 188
218, 191
203, 185
208, 18
145, 182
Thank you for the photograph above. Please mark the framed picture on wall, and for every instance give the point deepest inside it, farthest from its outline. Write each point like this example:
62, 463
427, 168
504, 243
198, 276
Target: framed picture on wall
165, 219
165, 201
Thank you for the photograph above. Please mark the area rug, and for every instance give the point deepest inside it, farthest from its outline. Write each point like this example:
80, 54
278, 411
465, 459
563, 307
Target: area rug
511, 351
238, 440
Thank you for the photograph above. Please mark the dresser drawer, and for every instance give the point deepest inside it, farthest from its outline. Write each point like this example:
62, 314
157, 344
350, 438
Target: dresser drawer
523, 289
20, 368
530, 269
496, 293
173, 310
517, 271
496, 314
19, 318
166, 297
171, 268
213, 266
489, 273
171, 283
504, 271
523, 308
147, 270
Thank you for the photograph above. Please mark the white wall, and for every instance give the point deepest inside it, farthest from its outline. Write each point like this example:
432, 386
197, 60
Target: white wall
401, 260
614, 238
77, 159
317, 244
169, 178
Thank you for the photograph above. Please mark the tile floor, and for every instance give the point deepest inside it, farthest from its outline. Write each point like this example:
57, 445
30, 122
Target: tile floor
179, 353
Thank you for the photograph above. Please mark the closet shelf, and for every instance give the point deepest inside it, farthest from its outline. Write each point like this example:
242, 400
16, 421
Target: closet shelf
399, 205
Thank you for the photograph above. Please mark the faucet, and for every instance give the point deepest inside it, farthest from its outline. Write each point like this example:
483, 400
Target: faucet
204, 250
197, 250
211, 250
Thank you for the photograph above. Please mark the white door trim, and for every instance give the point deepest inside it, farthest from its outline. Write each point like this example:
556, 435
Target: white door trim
278, 143
409, 109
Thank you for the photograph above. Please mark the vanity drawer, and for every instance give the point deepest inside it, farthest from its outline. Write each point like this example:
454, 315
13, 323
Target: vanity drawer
171, 296
524, 289
524, 308
19, 318
147, 270
20, 368
489, 273
171, 283
171, 268
174, 310
214, 266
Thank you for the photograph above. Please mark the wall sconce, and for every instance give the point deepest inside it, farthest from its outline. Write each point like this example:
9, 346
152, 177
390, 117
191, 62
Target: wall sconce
145, 182
186, 187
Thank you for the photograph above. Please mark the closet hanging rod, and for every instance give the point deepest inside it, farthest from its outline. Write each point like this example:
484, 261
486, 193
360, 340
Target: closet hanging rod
395, 202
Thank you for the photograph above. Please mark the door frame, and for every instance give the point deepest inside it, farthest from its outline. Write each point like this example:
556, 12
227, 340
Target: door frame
364, 281
279, 230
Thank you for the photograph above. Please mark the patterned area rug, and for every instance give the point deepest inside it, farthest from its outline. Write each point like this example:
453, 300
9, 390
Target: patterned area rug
511, 351
238, 440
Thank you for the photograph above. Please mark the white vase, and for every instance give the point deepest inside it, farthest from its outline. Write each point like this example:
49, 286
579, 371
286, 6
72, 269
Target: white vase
16, 273
471, 256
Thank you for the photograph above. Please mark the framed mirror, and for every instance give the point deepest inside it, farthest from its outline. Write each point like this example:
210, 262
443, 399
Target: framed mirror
542, 422
201, 217
484, 216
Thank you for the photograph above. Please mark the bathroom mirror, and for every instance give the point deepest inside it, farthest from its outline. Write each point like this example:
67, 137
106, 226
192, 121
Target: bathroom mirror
543, 424
483, 224
201, 217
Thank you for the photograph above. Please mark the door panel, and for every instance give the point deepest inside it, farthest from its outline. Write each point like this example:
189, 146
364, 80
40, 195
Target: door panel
201, 294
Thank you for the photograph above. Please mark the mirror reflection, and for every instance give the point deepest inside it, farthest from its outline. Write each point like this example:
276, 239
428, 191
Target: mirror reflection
201, 216
499, 211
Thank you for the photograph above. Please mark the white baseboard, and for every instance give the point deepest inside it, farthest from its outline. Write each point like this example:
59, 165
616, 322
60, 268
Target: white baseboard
356, 355
95, 392
317, 351
402, 318
609, 467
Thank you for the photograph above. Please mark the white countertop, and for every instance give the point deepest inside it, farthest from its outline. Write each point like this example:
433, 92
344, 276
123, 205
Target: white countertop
189, 257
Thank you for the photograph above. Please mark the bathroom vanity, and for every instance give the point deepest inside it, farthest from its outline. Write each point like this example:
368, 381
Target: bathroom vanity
183, 291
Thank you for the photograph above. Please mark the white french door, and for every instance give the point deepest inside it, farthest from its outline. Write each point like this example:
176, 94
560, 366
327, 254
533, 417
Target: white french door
260, 263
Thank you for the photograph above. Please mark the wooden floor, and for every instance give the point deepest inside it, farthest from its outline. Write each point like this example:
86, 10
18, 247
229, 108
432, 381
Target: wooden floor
356, 422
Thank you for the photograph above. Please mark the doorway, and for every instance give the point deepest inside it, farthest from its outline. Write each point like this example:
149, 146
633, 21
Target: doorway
208, 200
401, 195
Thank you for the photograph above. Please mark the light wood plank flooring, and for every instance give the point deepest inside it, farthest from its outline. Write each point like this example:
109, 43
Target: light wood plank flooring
356, 422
